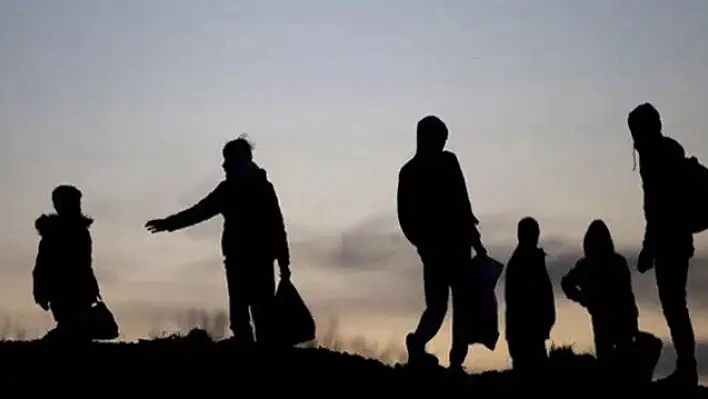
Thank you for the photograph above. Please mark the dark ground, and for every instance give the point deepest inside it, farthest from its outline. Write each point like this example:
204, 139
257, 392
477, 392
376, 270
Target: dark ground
196, 367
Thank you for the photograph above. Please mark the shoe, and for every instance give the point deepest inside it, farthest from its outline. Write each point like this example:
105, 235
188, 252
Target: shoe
417, 354
682, 378
457, 370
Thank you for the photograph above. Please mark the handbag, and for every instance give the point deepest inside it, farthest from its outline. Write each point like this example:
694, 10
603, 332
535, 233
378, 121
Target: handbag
99, 321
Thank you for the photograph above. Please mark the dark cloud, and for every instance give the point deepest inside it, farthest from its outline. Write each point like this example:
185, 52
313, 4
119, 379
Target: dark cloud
376, 248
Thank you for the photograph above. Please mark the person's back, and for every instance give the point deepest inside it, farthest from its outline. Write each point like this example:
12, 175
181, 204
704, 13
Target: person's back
253, 226
439, 205
530, 303
661, 162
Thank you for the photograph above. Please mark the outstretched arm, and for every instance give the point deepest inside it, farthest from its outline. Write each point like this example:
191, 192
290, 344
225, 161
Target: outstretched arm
205, 209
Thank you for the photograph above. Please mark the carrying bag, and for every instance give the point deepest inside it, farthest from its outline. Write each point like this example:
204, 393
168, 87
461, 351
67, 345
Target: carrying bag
482, 309
99, 322
294, 323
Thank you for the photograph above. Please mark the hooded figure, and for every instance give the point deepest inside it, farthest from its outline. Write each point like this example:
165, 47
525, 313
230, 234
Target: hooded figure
601, 282
63, 278
253, 237
435, 215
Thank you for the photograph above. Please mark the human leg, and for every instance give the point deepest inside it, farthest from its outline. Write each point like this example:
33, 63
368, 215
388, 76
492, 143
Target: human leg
239, 316
436, 291
262, 294
671, 278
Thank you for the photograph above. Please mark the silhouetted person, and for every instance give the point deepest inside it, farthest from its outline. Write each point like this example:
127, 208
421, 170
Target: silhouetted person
601, 282
530, 303
668, 240
63, 278
435, 215
253, 238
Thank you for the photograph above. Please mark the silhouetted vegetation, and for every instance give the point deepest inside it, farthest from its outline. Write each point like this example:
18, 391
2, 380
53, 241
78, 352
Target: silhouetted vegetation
195, 365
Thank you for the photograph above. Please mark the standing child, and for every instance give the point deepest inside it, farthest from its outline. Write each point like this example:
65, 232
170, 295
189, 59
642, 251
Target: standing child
63, 277
530, 303
601, 283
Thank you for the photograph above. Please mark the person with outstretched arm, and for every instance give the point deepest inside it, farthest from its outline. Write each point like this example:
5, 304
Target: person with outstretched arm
435, 215
253, 238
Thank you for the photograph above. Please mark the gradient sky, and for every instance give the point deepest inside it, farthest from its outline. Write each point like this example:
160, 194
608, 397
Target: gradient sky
132, 101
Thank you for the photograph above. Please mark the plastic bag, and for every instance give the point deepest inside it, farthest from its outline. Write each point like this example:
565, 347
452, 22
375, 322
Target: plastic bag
100, 323
482, 309
294, 323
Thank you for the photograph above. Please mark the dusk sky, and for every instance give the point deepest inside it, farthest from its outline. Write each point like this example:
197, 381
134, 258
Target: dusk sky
131, 101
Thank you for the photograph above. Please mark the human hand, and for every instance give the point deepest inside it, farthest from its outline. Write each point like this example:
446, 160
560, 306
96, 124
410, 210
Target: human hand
645, 261
156, 225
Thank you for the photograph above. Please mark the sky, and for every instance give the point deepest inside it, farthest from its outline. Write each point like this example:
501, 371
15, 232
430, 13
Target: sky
132, 101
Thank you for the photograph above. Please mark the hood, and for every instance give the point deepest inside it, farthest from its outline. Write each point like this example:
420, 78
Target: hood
46, 224
246, 170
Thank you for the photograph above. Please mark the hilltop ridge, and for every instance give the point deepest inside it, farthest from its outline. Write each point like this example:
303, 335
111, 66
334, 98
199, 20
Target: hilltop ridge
196, 366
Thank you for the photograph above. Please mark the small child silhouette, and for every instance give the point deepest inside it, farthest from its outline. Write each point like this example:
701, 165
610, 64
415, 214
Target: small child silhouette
63, 278
530, 303
601, 282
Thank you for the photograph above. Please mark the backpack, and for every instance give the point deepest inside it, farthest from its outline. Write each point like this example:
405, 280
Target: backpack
696, 195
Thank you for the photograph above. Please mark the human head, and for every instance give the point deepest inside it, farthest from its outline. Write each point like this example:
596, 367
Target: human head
67, 200
431, 135
528, 231
235, 152
598, 240
644, 122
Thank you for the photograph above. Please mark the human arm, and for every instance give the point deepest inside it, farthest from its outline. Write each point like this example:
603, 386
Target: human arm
280, 236
205, 209
571, 285
40, 275
406, 207
463, 204
549, 304
626, 290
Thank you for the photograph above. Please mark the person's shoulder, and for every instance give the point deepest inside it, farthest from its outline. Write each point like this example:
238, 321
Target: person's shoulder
407, 167
619, 257
581, 264
449, 156
46, 224
621, 261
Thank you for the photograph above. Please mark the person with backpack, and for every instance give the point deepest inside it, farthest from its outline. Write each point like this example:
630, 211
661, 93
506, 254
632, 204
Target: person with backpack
435, 215
530, 302
674, 210
63, 277
253, 238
